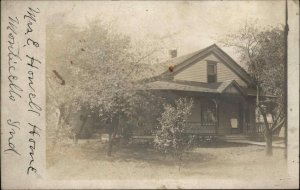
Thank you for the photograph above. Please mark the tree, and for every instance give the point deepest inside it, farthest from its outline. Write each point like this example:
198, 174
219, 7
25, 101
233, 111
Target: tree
100, 69
170, 137
262, 51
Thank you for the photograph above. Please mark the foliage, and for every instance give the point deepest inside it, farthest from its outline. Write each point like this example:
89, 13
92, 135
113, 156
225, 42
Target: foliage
262, 51
170, 137
100, 69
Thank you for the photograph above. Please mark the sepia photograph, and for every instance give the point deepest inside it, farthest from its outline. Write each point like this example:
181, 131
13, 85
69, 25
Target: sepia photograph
166, 90
194, 91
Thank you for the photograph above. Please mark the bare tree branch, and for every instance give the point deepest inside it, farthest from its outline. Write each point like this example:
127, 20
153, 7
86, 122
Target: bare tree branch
279, 125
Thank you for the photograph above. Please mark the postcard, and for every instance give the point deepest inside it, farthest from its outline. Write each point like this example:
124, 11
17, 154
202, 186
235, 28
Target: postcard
149, 94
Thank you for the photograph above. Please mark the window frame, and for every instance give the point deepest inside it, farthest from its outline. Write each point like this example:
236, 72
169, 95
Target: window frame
211, 78
208, 113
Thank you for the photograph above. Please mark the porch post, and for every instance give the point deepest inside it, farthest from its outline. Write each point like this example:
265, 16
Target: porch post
245, 121
216, 101
217, 110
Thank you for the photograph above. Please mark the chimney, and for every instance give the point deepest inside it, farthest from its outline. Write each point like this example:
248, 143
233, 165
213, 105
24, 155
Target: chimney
173, 53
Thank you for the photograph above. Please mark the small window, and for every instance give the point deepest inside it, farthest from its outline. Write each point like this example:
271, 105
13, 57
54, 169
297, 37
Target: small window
211, 72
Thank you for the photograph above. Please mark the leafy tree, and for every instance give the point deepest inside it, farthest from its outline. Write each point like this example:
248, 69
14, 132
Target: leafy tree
99, 68
262, 51
170, 137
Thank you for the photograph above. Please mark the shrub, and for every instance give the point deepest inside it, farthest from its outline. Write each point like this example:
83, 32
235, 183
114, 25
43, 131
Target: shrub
170, 137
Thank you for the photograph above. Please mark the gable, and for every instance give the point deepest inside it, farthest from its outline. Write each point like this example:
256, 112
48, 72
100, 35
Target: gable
224, 73
230, 87
231, 90
197, 72
212, 57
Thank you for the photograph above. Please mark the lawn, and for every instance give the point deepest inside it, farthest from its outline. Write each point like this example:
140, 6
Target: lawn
88, 160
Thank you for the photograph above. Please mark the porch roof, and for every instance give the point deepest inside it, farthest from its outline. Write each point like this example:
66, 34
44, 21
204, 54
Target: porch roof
215, 88
171, 85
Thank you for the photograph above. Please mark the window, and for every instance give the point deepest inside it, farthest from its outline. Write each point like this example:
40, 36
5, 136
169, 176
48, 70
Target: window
208, 114
211, 72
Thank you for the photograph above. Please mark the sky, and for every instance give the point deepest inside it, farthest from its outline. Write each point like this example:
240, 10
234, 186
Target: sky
182, 25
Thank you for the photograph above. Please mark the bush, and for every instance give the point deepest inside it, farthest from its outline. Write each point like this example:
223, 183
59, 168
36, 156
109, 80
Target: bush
170, 137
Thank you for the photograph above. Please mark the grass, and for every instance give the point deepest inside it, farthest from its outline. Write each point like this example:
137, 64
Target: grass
221, 160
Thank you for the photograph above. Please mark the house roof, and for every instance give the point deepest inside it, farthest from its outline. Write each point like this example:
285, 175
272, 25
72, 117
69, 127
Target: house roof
177, 60
172, 85
182, 62
215, 88
165, 80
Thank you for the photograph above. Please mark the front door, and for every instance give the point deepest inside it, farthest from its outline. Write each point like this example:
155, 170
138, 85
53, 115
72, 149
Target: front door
235, 118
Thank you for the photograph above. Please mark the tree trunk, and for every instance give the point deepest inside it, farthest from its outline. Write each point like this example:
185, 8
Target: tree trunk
179, 163
268, 139
58, 124
268, 133
111, 140
110, 144
84, 120
75, 141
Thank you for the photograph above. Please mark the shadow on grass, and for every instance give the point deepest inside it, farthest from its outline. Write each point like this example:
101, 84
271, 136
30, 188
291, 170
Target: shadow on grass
142, 153
145, 153
136, 153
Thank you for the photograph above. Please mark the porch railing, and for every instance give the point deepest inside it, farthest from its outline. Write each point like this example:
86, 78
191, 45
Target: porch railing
201, 128
260, 127
210, 128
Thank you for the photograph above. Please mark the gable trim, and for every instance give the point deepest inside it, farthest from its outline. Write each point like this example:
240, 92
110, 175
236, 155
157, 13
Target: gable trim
238, 73
235, 85
218, 53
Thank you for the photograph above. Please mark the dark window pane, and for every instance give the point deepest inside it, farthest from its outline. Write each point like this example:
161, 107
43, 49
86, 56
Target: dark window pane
211, 72
211, 69
211, 78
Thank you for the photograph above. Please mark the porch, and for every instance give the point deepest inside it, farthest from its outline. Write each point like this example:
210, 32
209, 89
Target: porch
203, 129
221, 108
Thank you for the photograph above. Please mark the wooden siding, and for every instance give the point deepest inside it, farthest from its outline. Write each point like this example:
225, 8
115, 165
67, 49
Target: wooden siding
198, 72
224, 73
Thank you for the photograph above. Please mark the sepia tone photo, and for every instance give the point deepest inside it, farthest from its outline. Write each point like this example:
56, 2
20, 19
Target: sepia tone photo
151, 91
178, 94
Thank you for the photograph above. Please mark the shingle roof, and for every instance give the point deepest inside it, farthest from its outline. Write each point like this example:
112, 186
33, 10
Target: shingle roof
184, 61
165, 81
162, 67
171, 85
177, 60
215, 88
